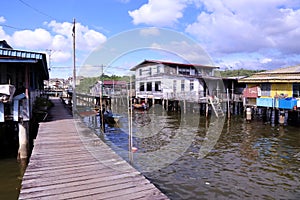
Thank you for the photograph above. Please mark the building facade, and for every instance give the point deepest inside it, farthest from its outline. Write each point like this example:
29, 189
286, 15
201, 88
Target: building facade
278, 88
173, 81
21, 82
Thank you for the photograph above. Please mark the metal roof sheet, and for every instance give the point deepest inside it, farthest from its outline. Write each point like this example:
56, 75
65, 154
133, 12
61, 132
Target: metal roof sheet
282, 75
284, 70
19, 56
172, 64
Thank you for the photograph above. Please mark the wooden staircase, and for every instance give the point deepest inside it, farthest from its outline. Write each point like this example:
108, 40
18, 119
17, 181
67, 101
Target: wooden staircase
216, 106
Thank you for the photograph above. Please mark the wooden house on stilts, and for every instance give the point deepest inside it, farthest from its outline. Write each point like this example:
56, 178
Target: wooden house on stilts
22, 75
274, 93
177, 86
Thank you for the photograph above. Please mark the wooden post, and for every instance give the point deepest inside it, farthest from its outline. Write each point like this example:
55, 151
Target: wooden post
206, 112
282, 117
228, 104
248, 114
153, 102
23, 141
167, 105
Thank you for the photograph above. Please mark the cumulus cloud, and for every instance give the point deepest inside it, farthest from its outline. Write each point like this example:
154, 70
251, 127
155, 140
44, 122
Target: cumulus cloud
36, 39
159, 13
60, 56
247, 26
3, 35
58, 39
2, 19
86, 39
190, 52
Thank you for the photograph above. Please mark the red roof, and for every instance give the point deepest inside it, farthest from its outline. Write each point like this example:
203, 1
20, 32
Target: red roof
112, 82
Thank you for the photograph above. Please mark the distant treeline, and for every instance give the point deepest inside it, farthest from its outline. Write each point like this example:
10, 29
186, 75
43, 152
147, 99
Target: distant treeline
239, 72
87, 82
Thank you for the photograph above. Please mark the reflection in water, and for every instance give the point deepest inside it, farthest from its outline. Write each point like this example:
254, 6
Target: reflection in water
246, 161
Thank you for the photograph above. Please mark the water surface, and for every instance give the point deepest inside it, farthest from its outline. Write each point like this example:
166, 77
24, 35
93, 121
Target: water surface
253, 160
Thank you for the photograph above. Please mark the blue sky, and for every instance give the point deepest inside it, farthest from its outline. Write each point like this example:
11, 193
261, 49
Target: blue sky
232, 34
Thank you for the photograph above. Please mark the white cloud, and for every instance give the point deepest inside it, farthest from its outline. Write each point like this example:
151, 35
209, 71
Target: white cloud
191, 53
86, 39
93, 39
58, 39
265, 60
60, 56
159, 13
37, 39
3, 35
2, 19
247, 26
60, 43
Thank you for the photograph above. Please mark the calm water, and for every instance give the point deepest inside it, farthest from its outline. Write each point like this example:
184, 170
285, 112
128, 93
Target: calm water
11, 172
246, 160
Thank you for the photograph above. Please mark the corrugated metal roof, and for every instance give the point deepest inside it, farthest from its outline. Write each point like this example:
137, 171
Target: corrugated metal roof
172, 64
19, 56
291, 69
282, 75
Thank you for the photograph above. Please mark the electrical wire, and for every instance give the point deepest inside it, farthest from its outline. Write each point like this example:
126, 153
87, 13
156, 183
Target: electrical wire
12, 27
37, 10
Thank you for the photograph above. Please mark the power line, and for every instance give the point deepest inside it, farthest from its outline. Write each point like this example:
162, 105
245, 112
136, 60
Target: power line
12, 27
37, 10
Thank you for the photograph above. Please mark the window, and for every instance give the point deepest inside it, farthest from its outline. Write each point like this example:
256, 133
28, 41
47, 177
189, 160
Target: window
265, 89
174, 86
191, 85
193, 72
158, 69
149, 86
296, 90
141, 72
142, 86
157, 86
182, 85
184, 71
150, 71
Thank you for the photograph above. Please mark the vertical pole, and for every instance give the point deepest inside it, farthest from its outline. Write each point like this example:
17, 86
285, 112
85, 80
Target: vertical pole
100, 100
130, 145
228, 105
206, 110
23, 126
23, 140
74, 70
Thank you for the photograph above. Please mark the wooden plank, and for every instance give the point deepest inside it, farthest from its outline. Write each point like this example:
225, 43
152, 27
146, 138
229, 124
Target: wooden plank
76, 164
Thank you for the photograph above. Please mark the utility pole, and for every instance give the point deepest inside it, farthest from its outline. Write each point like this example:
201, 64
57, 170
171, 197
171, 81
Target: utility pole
74, 69
49, 53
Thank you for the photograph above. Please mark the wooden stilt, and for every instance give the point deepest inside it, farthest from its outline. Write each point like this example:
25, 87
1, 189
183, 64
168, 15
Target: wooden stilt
23, 140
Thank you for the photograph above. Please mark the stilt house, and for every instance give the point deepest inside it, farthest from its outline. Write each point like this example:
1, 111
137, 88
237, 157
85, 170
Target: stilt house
173, 81
22, 75
279, 88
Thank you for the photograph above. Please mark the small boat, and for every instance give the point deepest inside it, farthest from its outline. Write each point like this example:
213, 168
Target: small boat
109, 117
138, 106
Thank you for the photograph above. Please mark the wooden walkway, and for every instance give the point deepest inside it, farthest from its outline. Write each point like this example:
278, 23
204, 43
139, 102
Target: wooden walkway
70, 162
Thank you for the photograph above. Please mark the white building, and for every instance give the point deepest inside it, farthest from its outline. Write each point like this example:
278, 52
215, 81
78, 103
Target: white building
174, 81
